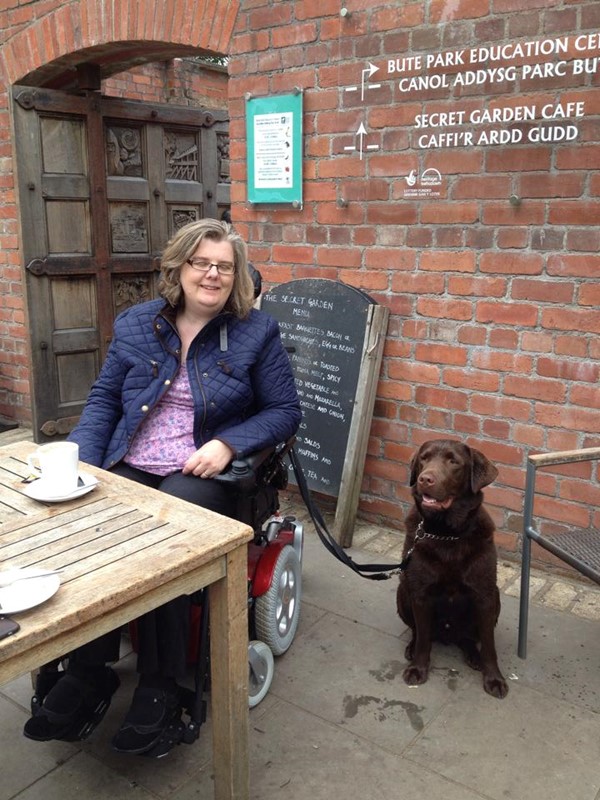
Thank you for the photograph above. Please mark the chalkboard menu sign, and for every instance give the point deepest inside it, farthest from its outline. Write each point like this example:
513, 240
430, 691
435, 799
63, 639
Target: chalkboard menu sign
323, 325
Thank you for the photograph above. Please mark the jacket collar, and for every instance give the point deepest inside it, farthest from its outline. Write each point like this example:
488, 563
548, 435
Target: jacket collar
169, 313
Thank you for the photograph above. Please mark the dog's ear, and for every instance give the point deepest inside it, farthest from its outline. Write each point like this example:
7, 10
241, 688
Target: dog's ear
414, 468
483, 472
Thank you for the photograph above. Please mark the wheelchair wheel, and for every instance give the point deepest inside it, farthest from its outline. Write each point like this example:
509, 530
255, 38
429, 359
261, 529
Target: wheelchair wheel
261, 668
277, 612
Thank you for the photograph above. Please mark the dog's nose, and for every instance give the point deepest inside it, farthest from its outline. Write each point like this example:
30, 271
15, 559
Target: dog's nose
426, 479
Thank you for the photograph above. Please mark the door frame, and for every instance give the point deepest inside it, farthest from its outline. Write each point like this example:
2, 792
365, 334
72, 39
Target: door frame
48, 419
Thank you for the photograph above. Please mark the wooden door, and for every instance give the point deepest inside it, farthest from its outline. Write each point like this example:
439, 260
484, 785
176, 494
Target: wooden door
103, 183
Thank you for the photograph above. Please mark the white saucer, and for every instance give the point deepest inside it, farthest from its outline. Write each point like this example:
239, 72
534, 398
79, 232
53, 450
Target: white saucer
40, 491
21, 595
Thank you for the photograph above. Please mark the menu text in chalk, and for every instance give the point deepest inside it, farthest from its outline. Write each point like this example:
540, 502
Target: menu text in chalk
323, 325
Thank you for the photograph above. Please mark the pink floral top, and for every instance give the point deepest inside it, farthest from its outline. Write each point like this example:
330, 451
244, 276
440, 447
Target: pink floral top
165, 440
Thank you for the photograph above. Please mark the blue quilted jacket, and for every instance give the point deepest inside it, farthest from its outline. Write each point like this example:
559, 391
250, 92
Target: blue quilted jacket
240, 376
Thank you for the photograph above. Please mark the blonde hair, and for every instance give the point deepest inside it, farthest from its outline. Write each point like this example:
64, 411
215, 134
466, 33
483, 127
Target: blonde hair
184, 244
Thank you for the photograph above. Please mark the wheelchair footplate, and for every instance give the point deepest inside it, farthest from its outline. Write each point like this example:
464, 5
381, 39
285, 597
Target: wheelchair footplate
177, 730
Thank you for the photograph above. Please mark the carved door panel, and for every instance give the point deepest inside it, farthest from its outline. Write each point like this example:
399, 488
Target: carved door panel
103, 183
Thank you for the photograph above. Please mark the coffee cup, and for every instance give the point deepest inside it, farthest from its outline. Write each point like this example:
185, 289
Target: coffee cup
57, 464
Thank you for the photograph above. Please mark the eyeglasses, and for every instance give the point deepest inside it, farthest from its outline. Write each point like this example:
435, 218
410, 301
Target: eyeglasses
204, 265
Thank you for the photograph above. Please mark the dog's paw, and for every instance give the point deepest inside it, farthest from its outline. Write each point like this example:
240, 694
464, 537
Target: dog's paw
496, 686
414, 675
473, 658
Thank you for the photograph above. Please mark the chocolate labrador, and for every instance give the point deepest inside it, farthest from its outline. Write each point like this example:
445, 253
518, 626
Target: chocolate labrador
448, 590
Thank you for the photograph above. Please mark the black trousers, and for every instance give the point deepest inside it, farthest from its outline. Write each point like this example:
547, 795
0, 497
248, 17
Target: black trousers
163, 634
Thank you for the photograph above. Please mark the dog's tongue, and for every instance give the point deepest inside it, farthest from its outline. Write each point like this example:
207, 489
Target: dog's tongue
431, 502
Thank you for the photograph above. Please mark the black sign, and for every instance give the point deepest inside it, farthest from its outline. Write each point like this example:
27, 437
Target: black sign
323, 325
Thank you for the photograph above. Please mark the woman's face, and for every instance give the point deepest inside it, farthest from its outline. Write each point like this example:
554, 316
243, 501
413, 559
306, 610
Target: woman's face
207, 292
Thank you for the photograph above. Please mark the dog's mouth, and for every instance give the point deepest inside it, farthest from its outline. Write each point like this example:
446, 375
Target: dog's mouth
429, 502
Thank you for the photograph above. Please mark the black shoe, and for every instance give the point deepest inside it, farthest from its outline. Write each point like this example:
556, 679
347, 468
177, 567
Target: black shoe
153, 724
73, 707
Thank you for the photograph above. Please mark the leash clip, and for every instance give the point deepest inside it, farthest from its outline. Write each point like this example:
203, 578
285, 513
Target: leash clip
400, 570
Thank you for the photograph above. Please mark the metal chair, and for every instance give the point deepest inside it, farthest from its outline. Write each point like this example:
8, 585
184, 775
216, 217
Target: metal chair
580, 549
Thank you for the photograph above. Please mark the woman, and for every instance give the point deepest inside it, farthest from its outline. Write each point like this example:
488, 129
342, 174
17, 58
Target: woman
190, 382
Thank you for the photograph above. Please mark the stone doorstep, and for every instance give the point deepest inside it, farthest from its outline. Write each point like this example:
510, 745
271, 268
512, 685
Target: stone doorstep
7, 424
15, 433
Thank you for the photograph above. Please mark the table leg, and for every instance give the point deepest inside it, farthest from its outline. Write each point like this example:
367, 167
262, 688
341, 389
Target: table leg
229, 678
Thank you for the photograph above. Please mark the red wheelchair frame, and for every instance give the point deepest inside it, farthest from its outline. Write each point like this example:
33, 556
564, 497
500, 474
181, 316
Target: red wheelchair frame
274, 561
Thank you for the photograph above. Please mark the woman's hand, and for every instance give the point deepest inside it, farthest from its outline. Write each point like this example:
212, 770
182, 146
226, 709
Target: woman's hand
209, 460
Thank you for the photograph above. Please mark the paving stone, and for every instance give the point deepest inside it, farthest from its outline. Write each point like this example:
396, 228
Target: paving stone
507, 573
395, 553
535, 585
382, 543
493, 747
560, 596
588, 605
362, 537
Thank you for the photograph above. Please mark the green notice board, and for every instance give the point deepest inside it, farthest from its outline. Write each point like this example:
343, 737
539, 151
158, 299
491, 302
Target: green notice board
274, 140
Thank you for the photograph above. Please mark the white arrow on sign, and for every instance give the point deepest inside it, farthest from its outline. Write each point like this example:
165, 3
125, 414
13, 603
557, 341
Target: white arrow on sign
361, 133
368, 73
365, 75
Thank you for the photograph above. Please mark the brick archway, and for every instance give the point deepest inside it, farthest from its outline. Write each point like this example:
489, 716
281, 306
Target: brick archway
132, 32
45, 52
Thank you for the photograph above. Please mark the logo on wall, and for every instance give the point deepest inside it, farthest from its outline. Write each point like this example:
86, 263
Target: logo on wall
424, 184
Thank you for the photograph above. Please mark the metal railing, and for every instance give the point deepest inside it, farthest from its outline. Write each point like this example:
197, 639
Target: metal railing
579, 549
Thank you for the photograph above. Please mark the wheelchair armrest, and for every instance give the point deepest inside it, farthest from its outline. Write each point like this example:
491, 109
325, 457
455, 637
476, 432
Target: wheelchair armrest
243, 472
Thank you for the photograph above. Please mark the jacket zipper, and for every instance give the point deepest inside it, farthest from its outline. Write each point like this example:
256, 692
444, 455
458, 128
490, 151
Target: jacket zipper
222, 343
204, 399
196, 369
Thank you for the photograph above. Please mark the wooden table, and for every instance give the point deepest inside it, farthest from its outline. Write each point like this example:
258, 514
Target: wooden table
126, 549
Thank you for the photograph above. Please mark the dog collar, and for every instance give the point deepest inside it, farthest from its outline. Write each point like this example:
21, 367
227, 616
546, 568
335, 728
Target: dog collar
421, 533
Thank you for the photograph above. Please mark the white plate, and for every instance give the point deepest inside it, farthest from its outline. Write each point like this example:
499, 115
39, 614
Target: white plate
40, 491
21, 595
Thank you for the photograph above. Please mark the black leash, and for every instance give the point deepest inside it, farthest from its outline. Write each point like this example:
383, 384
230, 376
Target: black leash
380, 572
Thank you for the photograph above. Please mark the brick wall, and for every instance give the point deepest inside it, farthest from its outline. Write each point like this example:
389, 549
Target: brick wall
183, 82
493, 283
